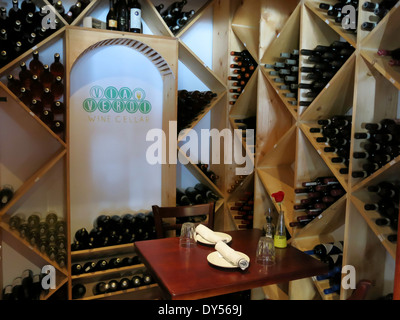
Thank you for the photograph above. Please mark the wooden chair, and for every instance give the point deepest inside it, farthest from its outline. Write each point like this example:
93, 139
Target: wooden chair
361, 290
161, 213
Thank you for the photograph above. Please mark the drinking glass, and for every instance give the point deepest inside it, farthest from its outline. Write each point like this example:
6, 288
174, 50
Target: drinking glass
187, 237
265, 254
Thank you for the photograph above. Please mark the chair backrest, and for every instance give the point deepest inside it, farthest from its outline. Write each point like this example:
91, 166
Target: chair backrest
161, 213
361, 290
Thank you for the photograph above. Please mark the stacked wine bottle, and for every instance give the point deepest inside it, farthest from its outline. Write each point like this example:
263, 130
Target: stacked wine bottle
210, 174
73, 12
243, 211
320, 195
334, 12
22, 29
26, 287
114, 285
114, 230
393, 54
48, 234
125, 16
199, 194
327, 60
238, 182
336, 134
381, 145
378, 12
387, 206
102, 265
285, 75
6, 194
331, 254
242, 67
191, 104
174, 16
40, 87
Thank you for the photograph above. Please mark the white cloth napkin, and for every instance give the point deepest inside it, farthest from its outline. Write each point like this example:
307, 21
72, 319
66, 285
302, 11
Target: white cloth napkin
231, 255
208, 234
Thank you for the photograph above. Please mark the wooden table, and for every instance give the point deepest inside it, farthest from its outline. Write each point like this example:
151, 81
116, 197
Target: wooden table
185, 274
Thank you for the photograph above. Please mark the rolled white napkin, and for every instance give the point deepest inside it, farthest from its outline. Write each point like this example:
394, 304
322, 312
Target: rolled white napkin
208, 234
231, 255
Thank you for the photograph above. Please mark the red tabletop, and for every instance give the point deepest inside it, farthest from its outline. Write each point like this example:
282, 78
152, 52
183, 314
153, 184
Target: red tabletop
185, 274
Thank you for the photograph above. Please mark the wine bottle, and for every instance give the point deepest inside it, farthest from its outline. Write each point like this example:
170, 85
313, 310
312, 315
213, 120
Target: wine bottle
82, 235
147, 279
101, 288
392, 237
6, 194
184, 18
36, 286
25, 75
76, 269
89, 267
59, 8
302, 221
25, 96
393, 222
15, 221
36, 88
27, 281
124, 284
324, 249
28, 6
14, 84
181, 198
23, 229
7, 293
28, 27
112, 286
102, 221
115, 263
47, 99
4, 20
112, 19
385, 189
15, 13
333, 260
69, 17
384, 126
57, 68
58, 107
159, 7
330, 274
206, 192
47, 78
194, 196
57, 89
335, 284
61, 258
135, 16
319, 181
78, 291
17, 289
385, 207
136, 281
57, 126
76, 9
122, 15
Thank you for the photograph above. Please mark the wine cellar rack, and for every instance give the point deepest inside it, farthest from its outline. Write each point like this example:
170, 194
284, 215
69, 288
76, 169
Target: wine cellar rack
285, 152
